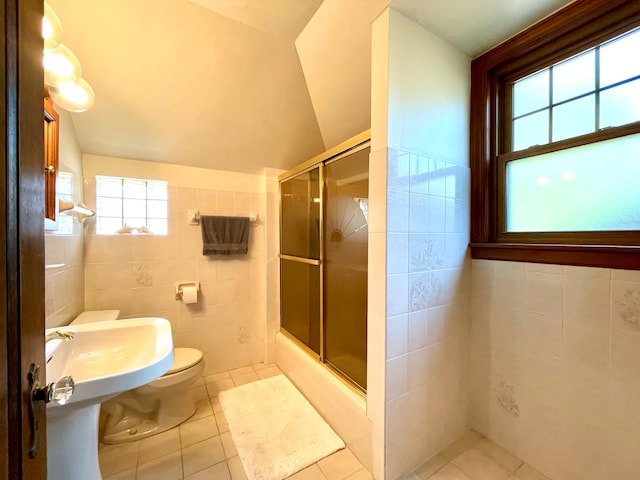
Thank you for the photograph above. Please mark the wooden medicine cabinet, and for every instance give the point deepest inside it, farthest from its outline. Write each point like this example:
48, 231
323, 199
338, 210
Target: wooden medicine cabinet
50, 161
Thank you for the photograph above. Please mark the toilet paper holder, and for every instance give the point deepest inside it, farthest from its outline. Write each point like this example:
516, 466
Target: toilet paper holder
179, 286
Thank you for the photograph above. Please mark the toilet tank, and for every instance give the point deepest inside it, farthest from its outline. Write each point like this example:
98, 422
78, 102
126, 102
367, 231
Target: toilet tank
92, 316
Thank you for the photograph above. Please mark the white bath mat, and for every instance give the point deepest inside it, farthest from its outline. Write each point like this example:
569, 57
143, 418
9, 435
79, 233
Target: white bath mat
275, 429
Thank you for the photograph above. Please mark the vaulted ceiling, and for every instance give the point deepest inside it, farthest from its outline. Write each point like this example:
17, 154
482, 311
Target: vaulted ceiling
245, 84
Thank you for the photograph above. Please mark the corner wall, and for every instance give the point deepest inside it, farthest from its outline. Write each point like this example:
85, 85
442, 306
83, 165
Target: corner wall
136, 273
555, 374
64, 270
425, 163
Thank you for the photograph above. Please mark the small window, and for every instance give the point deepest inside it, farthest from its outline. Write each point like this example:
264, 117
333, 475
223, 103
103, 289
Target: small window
594, 90
579, 183
64, 191
131, 205
555, 140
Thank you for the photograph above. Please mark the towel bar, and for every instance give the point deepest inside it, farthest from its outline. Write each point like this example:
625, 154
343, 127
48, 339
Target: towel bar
194, 217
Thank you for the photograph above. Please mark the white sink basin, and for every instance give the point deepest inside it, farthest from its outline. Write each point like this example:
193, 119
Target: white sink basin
104, 359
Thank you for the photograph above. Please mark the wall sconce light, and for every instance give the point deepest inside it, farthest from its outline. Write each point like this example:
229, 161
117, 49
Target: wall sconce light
62, 71
51, 28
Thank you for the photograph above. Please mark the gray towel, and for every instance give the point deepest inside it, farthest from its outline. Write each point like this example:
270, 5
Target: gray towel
225, 235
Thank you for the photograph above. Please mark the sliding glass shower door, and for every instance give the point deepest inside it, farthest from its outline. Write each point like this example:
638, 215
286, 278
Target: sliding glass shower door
300, 257
345, 265
323, 260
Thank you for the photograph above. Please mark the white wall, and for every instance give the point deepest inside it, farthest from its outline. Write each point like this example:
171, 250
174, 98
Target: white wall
424, 239
556, 366
136, 273
64, 286
272, 261
334, 50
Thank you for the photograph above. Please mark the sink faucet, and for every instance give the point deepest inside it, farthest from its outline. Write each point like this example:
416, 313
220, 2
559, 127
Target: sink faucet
59, 334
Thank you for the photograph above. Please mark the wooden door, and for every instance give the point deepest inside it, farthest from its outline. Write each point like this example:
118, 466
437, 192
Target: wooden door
21, 236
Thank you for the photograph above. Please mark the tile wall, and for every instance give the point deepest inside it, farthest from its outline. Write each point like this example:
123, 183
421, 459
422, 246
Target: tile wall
555, 370
272, 261
64, 277
423, 237
427, 308
136, 274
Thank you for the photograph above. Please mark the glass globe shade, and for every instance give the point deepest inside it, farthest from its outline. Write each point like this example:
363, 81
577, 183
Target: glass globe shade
60, 65
73, 96
51, 28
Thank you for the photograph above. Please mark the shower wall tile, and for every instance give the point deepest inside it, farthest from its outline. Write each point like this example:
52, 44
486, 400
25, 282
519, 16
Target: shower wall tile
428, 276
398, 251
398, 175
397, 329
559, 386
417, 330
437, 214
397, 212
136, 274
397, 295
419, 169
419, 213
427, 193
396, 377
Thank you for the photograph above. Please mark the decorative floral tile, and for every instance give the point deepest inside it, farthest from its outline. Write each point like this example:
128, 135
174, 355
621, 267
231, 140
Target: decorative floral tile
505, 394
627, 306
142, 275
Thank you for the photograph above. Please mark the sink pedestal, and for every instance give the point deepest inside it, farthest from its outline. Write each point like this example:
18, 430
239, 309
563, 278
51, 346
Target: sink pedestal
72, 444
104, 359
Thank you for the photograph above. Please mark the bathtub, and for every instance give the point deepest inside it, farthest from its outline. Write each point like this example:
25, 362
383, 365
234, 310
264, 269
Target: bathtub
339, 405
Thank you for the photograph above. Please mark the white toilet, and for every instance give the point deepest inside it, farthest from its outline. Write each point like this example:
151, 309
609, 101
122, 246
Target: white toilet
152, 408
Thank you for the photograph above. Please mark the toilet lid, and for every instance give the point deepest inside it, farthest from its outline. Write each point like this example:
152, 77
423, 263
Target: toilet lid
184, 358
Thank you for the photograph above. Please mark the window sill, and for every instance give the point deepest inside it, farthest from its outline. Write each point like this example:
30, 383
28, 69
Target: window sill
606, 256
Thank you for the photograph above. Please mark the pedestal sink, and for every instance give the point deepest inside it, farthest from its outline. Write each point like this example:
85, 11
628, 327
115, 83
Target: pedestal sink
104, 359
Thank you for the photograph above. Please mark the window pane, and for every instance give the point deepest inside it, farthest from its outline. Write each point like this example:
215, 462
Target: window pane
531, 130
109, 207
156, 209
108, 187
134, 208
620, 105
619, 59
157, 190
107, 225
64, 184
574, 118
135, 188
157, 227
116, 197
531, 93
588, 188
574, 77
134, 222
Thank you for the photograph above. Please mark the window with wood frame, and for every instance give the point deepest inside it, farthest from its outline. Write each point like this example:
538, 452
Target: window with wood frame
555, 140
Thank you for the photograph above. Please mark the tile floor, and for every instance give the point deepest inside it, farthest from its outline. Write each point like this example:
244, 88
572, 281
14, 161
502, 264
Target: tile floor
473, 457
202, 448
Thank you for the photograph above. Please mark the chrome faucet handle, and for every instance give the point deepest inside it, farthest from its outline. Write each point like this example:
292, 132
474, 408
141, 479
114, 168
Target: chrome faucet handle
67, 335
60, 334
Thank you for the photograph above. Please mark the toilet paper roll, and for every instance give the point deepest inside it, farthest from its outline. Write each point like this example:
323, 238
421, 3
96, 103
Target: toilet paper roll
189, 294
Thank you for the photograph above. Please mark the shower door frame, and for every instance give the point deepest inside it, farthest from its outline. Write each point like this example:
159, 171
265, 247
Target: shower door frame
345, 149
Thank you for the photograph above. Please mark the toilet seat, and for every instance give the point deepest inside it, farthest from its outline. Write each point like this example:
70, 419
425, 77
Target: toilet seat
184, 358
